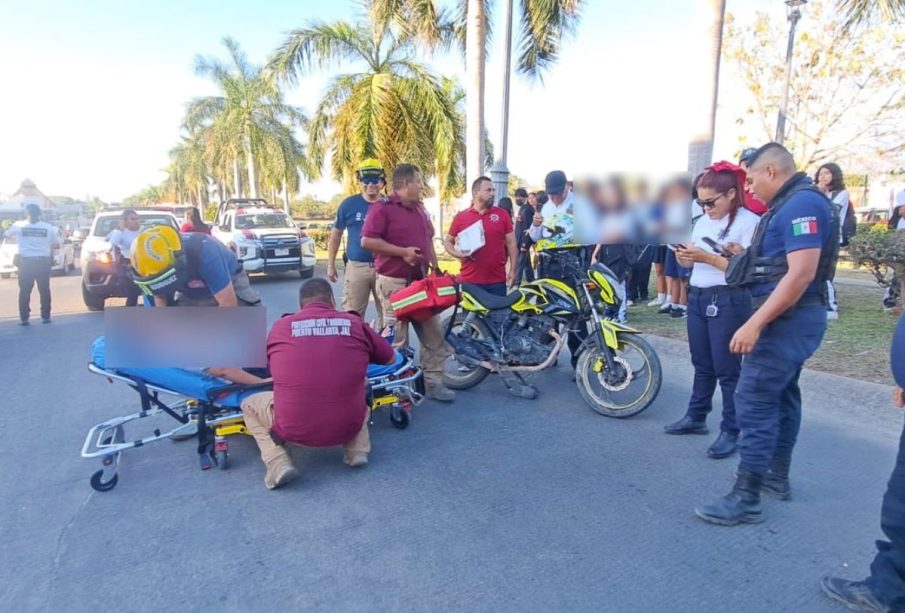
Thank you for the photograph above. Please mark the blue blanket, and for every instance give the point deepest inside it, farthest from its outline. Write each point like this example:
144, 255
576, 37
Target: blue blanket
197, 384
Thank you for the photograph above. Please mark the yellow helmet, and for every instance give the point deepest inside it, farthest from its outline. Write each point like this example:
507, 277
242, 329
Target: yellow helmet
154, 251
370, 167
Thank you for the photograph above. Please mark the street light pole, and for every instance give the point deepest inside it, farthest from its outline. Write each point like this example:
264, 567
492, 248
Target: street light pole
500, 173
793, 11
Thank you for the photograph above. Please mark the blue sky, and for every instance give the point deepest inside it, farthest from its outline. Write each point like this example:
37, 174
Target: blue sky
93, 93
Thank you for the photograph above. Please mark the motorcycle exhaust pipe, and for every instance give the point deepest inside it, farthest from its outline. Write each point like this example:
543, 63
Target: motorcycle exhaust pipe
560, 341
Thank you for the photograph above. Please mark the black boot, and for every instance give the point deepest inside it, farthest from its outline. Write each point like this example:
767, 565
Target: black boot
724, 446
741, 505
687, 425
776, 481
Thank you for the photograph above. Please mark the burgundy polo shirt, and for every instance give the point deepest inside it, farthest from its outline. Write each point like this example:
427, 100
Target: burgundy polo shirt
488, 264
402, 226
319, 358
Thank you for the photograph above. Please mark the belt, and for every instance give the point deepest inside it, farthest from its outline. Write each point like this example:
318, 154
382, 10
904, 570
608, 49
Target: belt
758, 301
716, 289
370, 264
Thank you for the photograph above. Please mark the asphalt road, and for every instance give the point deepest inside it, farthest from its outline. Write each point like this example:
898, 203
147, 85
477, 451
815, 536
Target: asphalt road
488, 504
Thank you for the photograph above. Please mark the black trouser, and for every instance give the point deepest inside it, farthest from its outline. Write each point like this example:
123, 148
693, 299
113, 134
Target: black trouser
639, 278
523, 268
554, 270
887, 571
34, 270
127, 286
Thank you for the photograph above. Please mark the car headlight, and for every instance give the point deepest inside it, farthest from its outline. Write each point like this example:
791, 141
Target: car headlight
308, 248
102, 257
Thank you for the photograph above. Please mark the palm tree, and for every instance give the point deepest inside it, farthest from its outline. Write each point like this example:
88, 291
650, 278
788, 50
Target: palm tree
391, 107
700, 149
248, 118
861, 11
543, 25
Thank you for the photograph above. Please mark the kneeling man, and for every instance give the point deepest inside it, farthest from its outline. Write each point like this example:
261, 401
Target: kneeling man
318, 358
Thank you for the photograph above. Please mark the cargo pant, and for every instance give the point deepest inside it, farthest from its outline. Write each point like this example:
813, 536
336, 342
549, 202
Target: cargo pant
359, 284
767, 396
245, 293
258, 411
34, 271
433, 346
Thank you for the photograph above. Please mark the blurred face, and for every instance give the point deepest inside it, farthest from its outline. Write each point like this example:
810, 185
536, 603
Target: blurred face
824, 177
483, 196
558, 199
715, 204
133, 222
412, 189
532, 200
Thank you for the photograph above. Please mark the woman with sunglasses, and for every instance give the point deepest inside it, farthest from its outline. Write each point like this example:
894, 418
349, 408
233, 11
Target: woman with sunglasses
715, 310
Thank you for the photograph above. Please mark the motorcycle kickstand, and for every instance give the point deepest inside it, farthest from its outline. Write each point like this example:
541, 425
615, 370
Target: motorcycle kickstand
517, 385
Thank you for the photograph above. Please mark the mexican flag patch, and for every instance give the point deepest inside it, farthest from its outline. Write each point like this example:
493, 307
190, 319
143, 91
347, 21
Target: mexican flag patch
804, 225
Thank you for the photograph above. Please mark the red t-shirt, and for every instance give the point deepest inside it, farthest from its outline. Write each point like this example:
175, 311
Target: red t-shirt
487, 264
402, 226
319, 358
188, 227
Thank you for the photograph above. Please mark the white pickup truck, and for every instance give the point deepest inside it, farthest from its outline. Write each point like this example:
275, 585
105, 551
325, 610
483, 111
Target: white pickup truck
264, 238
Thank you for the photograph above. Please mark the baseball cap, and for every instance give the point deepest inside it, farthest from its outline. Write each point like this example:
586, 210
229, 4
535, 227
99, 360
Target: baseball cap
521, 193
747, 155
555, 183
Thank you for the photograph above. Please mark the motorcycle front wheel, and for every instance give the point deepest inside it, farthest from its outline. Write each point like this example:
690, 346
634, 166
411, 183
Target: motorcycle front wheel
626, 390
457, 375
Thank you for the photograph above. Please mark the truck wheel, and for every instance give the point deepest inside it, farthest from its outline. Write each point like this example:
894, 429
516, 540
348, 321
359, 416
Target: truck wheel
307, 274
94, 303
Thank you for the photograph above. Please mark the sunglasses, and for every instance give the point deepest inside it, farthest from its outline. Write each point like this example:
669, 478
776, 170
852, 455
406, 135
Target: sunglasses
371, 180
709, 204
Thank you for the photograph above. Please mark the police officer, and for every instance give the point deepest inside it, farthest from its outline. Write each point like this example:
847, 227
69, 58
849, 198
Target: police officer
791, 257
36, 240
884, 589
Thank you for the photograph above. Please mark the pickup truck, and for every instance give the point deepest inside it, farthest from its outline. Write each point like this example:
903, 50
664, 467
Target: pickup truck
264, 238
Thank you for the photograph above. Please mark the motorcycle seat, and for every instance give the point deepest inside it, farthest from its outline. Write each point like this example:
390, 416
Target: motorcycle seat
491, 301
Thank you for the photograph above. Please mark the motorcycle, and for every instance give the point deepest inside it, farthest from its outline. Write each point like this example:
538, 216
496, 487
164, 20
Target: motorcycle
618, 373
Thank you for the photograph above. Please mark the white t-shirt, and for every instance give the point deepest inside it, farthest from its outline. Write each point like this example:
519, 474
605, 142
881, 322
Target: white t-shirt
123, 239
741, 232
841, 198
551, 213
34, 239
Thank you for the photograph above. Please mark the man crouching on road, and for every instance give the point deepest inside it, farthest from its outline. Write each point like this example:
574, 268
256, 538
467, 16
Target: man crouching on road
318, 358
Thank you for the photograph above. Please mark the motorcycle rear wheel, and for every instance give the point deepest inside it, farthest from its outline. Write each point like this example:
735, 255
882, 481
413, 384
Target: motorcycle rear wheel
459, 376
646, 374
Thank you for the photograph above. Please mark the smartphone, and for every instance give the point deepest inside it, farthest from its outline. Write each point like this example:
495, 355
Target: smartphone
717, 247
677, 246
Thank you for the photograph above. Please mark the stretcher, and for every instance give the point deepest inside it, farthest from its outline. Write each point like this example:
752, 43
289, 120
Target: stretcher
209, 409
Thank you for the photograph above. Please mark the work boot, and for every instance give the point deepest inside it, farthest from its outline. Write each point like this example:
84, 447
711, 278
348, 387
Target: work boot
280, 471
687, 425
776, 481
724, 446
441, 393
855, 595
741, 505
355, 459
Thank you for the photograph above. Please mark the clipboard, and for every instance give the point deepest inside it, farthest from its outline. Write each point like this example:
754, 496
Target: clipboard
471, 238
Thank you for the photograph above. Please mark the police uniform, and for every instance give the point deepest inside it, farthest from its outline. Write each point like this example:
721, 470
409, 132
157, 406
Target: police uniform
34, 261
767, 397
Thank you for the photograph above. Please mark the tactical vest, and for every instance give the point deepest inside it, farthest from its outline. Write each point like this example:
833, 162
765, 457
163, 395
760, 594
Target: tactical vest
752, 268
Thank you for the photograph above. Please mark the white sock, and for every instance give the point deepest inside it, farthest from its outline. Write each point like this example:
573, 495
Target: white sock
661, 297
682, 307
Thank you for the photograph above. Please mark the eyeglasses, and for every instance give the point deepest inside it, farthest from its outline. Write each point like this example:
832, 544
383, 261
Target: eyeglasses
709, 204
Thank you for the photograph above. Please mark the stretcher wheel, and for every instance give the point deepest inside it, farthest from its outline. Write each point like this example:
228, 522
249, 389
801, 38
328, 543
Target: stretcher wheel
222, 458
400, 417
103, 486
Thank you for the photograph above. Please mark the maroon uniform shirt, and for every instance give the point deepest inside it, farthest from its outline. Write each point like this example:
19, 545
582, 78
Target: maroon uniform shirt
319, 358
488, 264
401, 226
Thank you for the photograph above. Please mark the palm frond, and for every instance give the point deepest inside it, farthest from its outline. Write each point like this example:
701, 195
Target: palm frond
543, 25
318, 46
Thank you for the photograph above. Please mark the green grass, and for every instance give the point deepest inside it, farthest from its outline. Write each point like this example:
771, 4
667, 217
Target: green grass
856, 345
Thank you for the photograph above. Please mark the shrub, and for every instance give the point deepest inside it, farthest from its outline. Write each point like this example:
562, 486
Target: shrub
881, 251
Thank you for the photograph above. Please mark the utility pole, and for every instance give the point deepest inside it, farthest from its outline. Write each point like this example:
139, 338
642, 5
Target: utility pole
793, 11
499, 174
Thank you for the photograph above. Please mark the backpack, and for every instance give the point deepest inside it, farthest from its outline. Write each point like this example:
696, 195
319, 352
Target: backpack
849, 225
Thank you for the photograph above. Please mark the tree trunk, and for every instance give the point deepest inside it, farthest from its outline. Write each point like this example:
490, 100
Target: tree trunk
474, 112
237, 180
286, 198
252, 170
700, 148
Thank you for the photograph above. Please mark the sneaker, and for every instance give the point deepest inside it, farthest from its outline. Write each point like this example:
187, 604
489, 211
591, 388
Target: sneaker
46, 320
678, 313
855, 595
441, 393
279, 473
665, 308
356, 459
655, 302
832, 314
23, 322
630, 303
